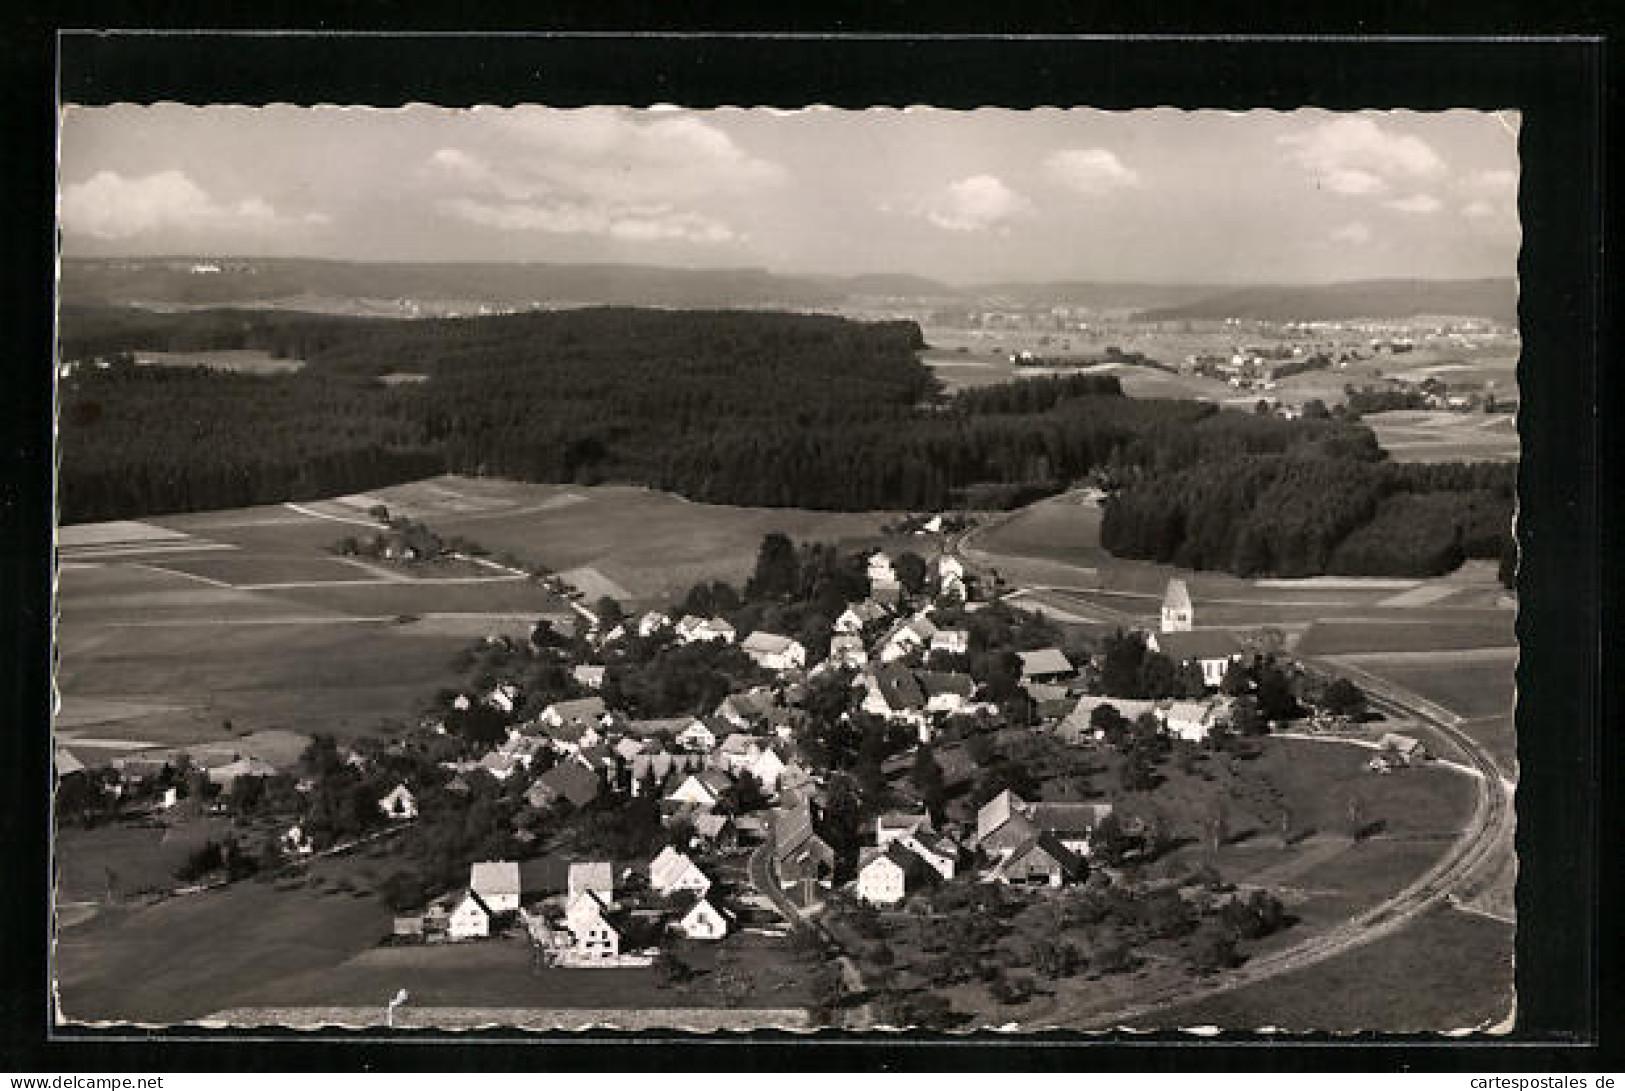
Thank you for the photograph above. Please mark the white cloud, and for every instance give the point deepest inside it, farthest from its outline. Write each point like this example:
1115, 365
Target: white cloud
600, 172
1420, 203
565, 218
1490, 183
975, 204
1355, 156
1090, 170
1477, 209
1352, 183
1355, 233
110, 206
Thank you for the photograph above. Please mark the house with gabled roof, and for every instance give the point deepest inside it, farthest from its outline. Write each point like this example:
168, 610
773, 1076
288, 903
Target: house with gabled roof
399, 804
888, 874
736, 752
1073, 824
702, 789
893, 692
697, 737
951, 642
938, 849
893, 825
587, 917
798, 852
590, 675
700, 918
774, 651
1041, 860
671, 871
716, 830
767, 767
908, 636
652, 622
470, 918
1194, 721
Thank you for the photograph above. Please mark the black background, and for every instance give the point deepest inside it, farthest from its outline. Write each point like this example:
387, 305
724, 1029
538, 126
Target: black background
1568, 952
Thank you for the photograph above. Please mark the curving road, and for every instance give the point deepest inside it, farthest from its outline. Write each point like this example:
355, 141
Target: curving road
1490, 831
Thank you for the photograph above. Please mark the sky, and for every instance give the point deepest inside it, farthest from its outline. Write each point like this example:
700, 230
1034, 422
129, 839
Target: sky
1161, 196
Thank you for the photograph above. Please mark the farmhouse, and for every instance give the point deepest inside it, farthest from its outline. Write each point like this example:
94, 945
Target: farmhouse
1007, 822
1213, 650
399, 803
1410, 751
224, 775
497, 884
801, 855
774, 652
1039, 860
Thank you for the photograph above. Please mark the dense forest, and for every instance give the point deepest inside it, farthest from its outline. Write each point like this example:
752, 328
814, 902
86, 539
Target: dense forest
750, 408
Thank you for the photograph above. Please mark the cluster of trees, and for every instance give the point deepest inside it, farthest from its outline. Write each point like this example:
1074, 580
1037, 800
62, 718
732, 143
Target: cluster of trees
742, 408
1288, 515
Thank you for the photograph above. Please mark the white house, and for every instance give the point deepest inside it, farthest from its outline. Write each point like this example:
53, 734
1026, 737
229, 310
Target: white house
702, 921
906, 637
767, 768
584, 712
774, 652
951, 642
504, 697
471, 919
701, 789
653, 622
497, 884
886, 875
693, 628
587, 918
1193, 721
950, 568
672, 871
589, 675
946, 692
697, 737
399, 803
738, 752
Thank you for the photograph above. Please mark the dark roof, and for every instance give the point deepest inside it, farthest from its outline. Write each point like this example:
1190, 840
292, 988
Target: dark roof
935, 682
1068, 818
572, 781
1199, 644
1045, 661
1048, 844
898, 686
544, 875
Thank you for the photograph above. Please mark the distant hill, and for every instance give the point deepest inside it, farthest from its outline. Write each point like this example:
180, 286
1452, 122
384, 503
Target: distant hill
1495, 299
400, 288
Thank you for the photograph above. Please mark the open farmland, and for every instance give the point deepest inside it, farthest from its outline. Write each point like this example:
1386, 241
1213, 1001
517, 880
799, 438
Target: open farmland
184, 957
1431, 436
1448, 971
248, 361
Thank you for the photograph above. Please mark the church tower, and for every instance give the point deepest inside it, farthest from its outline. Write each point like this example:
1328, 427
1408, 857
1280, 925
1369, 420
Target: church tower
1177, 613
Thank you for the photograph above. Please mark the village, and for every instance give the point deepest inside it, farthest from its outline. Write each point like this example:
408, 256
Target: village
927, 740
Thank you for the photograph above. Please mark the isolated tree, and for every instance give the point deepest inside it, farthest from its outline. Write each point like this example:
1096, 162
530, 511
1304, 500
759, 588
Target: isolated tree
927, 778
777, 570
1343, 698
609, 612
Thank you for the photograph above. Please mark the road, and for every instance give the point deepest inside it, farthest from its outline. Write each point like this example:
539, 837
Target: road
759, 868
1489, 832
